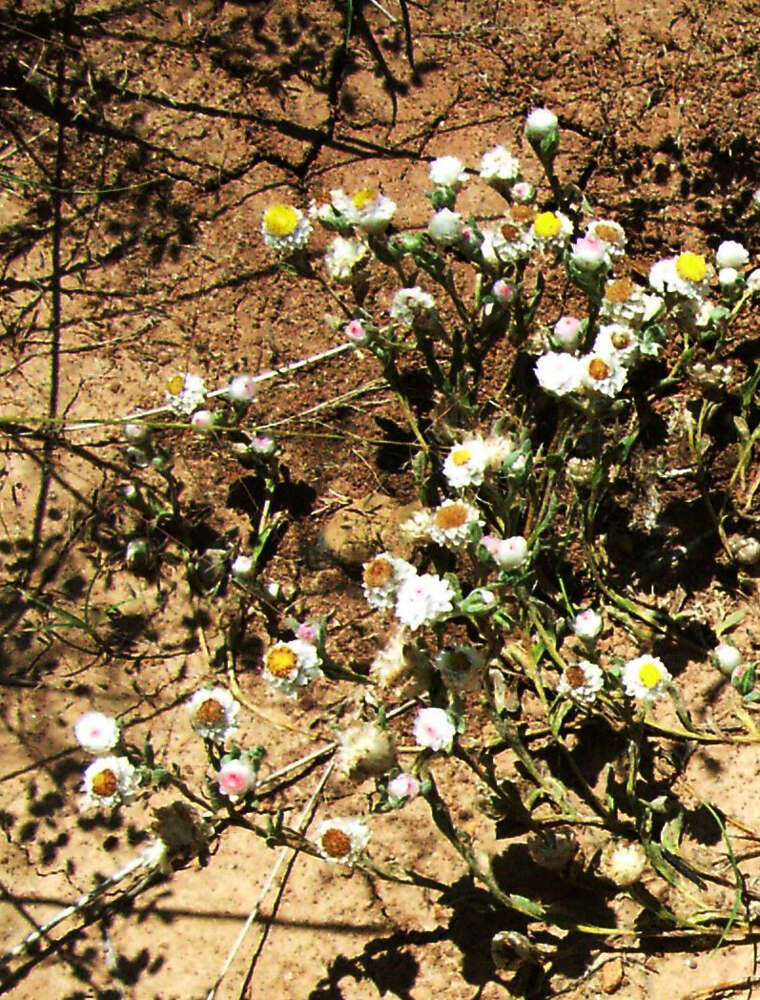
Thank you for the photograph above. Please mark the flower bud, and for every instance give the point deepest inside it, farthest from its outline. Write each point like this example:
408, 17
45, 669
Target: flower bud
744, 549
726, 658
140, 556
445, 228
623, 862
567, 332
242, 389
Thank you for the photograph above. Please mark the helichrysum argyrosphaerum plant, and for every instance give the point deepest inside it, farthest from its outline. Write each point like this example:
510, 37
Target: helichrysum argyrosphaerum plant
507, 607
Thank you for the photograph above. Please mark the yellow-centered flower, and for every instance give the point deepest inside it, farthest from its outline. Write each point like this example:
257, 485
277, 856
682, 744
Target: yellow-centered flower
691, 266
546, 225
363, 198
650, 674
281, 220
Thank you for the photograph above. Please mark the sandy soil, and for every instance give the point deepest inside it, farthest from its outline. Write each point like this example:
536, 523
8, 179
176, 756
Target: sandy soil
192, 118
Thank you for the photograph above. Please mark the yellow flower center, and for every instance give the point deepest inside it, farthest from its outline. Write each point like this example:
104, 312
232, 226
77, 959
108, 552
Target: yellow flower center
598, 369
281, 661
105, 783
281, 220
364, 197
607, 233
378, 572
620, 290
335, 843
546, 225
691, 266
621, 339
452, 516
650, 675
461, 456
175, 385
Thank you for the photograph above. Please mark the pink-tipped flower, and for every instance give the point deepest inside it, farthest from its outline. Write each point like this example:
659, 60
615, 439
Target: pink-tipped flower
404, 786
434, 729
242, 389
726, 658
590, 254
202, 420
356, 333
96, 733
567, 332
588, 624
507, 553
308, 631
523, 192
262, 444
236, 778
503, 291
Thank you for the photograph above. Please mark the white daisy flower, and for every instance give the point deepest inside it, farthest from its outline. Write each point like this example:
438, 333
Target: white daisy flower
109, 781
559, 373
499, 168
213, 712
505, 245
422, 600
731, 254
371, 211
290, 665
626, 303
445, 228
342, 839
434, 729
448, 171
461, 668
342, 257
96, 733
236, 778
687, 275
381, 578
185, 394
366, 751
285, 228
466, 463
645, 678
602, 375
451, 524
551, 231
582, 682
617, 341
411, 304
611, 234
